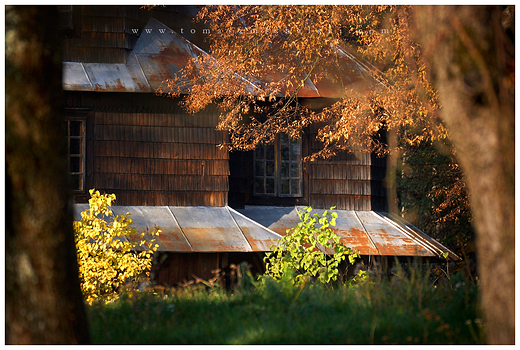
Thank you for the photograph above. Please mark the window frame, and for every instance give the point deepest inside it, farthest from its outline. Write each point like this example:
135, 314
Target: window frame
86, 134
81, 154
278, 176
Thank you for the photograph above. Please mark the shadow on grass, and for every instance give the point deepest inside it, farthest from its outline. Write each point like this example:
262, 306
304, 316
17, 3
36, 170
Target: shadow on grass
404, 309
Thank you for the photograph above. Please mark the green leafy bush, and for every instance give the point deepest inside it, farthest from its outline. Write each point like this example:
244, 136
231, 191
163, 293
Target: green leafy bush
309, 250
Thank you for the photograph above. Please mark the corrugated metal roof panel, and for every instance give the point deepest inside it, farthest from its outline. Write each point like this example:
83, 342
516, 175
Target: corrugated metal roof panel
390, 239
210, 229
253, 231
197, 229
370, 232
223, 229
160, 53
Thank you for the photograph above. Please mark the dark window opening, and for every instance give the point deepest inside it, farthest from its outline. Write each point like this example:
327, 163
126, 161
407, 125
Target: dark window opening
278, 168
76, 152
66, 16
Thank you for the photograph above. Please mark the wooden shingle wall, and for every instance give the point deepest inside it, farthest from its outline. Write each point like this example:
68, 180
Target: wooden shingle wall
101, 34
160, 158
350, 181
107, 33
148, 151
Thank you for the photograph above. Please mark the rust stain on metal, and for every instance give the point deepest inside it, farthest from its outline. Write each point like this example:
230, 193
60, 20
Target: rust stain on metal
222, 229
260, 245
155, 59
216, 239
357, 239
367, 231
397, 244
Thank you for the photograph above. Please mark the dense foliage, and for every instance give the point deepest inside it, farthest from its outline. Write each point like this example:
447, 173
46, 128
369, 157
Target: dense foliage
434, 197
110, 253
309, 250
270, 53
261, 57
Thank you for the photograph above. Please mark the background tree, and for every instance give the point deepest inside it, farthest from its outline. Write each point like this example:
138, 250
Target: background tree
432, 195
43, 301
471, 53
268, 53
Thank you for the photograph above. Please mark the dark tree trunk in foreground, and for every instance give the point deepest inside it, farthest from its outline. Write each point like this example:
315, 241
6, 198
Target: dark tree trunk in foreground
43, 301
470, 50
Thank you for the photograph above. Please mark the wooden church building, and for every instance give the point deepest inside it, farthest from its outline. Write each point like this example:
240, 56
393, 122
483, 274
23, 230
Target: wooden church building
214, 207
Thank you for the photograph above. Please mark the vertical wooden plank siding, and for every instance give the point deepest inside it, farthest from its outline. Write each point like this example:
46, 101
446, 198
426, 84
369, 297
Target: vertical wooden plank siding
179, 268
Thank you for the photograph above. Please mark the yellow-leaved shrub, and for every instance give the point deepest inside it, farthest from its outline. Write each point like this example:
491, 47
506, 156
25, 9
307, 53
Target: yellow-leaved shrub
110, 252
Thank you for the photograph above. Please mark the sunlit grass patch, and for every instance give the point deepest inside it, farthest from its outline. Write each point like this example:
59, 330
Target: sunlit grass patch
404, 310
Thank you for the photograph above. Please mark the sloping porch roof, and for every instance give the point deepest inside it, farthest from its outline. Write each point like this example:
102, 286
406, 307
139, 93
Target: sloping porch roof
254, 229
197, 229
372, 233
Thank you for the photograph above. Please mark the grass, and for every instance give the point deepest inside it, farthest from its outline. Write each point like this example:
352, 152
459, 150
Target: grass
406, 309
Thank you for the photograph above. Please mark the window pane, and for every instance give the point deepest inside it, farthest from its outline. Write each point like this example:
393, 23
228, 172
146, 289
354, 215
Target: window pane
259, 185
285, 152
284, 169
295, 169
259, 168
269, 185
269, 168
77, 182
276, 165
259, 152
295, 186
285, 187
295, 151
76, 165
269, 154
75, 146
76, 151
75, 127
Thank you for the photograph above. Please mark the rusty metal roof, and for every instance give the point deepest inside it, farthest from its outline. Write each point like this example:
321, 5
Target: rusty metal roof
372, 233
254, 229
197, 229
160, 53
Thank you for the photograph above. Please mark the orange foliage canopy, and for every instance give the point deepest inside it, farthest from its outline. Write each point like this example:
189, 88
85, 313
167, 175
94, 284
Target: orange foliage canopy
264, 57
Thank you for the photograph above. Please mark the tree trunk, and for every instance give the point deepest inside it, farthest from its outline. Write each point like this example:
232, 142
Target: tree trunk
470, 51
43, 303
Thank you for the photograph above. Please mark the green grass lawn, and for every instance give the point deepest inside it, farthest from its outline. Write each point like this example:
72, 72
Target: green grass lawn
407, 310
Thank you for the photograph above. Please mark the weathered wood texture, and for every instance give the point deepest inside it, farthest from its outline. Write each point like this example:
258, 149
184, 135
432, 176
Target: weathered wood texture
107, 34
350, 181
174, 269
180, 268
167, 158
160, 159
100, 34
